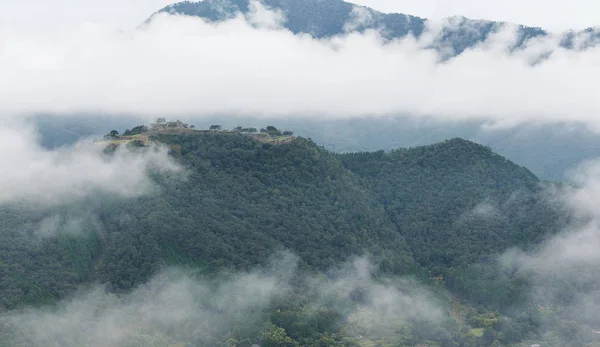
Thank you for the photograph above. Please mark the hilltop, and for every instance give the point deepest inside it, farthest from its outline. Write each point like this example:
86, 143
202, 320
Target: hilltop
142, 135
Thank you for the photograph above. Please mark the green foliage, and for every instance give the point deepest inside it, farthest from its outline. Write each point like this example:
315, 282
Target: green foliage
277, 337
140, 129
442, 195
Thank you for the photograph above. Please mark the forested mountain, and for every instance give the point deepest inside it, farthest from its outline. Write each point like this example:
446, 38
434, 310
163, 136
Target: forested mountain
326, 18
440, 214
441, 195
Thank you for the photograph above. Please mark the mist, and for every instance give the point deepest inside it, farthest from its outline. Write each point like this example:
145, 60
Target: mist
180, 306
180, 65
33, 175
564, 287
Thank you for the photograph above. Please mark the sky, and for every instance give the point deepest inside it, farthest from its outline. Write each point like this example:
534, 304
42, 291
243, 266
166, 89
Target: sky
551, 14
36, 15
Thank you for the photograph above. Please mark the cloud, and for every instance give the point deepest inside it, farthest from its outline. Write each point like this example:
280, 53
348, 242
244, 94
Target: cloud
360, 17
178, 306
579, 244
185, 66
38, 176
383, 304
484, 210
172, 302
564, 293
263, 17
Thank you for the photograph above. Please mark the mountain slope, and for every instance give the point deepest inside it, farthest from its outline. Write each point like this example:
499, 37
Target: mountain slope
242, 200
456, 202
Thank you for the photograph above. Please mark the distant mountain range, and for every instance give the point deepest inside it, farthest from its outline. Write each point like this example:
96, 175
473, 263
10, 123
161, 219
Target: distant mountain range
326, 18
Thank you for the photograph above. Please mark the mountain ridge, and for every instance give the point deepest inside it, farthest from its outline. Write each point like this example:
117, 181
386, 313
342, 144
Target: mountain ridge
328, 18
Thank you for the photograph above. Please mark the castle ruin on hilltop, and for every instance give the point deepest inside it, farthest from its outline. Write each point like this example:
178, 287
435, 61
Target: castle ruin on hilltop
162, 124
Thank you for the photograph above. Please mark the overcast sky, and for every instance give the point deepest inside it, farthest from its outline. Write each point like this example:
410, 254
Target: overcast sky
65, 14
551, 14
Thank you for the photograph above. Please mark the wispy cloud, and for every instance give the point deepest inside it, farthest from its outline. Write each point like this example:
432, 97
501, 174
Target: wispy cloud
177, 306
562, 271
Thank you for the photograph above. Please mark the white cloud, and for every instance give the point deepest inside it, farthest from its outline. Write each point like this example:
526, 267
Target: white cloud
38, 176
579, 245
176, 307
360, 17
263, 17
183, 65
169, 307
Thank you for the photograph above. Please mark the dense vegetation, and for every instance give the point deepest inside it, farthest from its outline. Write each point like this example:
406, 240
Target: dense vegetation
440, 214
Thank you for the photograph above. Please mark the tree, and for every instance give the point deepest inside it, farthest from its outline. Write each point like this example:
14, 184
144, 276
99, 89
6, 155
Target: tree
114, 133
138, 130
288, 133
488, 337
271, 130
215, 127
277, 337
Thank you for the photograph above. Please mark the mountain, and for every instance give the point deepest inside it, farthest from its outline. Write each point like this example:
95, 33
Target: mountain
439, 211
326, 18
440, 195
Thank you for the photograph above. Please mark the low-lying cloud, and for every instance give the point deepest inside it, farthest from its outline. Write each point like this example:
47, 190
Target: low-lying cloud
579, 243
179, 65
177, 306
563, 270
35, 175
